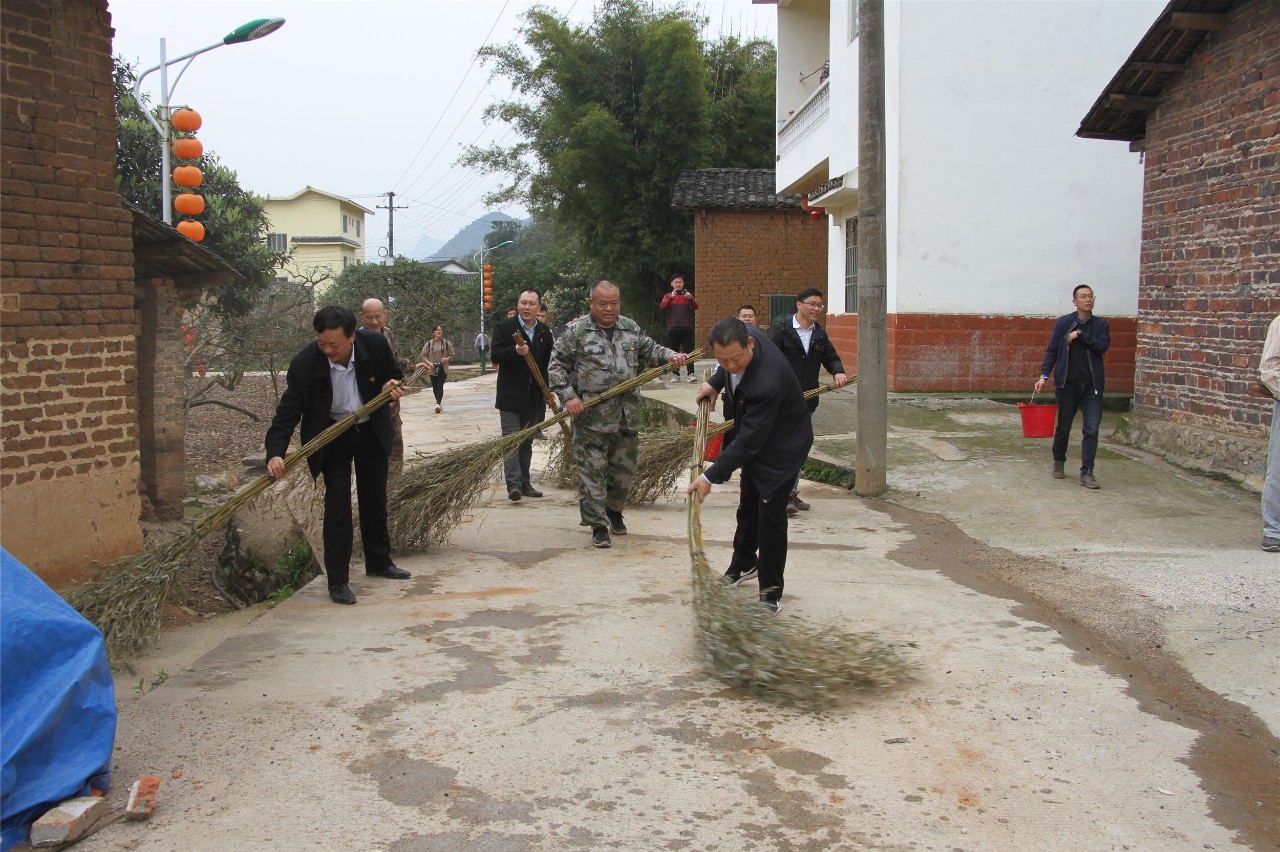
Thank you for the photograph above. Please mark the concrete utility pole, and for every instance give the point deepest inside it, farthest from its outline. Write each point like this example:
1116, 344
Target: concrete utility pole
873, 383
391, 209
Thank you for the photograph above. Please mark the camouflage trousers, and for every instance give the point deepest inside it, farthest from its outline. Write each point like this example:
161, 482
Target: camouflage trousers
607, 464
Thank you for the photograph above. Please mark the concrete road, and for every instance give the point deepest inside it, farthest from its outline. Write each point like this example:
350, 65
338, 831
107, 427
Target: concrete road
1097, 670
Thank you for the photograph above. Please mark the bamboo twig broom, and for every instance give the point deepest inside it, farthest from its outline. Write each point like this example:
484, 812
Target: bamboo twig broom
123, 598
435, 492
779, 657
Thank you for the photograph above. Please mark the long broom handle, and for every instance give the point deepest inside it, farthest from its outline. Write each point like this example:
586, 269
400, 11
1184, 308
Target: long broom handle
693, 505
619, 389
720, 428
220, 516
537, 375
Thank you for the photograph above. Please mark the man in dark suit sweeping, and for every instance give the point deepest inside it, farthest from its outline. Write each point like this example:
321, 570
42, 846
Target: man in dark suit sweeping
519, 397
327, 381
769, 441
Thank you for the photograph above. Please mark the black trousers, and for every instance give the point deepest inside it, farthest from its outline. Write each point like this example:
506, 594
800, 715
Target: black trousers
437, 385
761, 538
681, 340
358, 444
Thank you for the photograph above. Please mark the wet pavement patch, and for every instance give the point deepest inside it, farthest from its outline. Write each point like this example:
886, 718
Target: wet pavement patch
1235, 756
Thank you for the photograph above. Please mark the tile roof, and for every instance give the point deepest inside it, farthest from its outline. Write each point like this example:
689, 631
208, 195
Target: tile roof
158, 249
740, 189
1121, 111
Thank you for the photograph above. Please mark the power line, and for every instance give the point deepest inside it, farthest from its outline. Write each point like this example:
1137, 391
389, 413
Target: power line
474, 59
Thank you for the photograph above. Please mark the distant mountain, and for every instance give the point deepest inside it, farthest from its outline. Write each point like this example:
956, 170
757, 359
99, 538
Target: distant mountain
470, 239
426, 248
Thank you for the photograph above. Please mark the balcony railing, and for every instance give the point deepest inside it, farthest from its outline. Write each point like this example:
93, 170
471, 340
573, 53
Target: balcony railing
806, 120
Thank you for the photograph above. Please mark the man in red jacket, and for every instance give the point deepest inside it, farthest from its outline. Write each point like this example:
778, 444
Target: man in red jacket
679, 306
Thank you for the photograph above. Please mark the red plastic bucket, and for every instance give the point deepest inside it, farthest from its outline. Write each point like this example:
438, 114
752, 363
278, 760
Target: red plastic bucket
1037, 420
713, 447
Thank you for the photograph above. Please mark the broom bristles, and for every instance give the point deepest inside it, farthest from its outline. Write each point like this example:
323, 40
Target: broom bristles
778, 657
123, 598
663, 454
436, 492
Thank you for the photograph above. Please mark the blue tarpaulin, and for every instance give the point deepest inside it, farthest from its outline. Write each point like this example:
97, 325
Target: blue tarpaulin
57, 702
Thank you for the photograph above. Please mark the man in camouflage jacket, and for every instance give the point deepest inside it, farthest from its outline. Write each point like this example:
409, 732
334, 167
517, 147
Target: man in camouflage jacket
595, 353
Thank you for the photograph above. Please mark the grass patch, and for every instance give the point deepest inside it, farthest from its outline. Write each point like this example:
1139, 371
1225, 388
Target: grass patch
296, 568
829, 474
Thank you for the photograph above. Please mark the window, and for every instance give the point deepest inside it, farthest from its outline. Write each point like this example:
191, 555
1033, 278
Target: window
346, 261
853, 20
781, 306
851, 265
278, 242
346, 221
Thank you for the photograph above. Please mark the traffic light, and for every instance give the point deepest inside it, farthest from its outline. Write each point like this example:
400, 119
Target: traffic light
488, 286
186, 175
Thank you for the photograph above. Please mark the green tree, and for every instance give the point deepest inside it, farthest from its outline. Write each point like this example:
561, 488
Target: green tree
418, 296
543, 260
235, 224
609, 115
742, 83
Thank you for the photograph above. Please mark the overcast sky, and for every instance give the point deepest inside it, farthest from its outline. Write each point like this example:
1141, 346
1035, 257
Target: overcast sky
358, 97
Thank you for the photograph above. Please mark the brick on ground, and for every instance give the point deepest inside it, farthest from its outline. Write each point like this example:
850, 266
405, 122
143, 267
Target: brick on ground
68, 821
142, 797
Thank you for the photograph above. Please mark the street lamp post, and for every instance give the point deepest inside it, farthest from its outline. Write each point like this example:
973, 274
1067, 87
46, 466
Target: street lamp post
246, 32
478, 257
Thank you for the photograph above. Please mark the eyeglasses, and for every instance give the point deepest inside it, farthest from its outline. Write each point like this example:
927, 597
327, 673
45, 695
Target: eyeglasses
817, 305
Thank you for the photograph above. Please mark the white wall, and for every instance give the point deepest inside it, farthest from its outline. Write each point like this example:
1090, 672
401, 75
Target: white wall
998, 208
802, 38
843, 131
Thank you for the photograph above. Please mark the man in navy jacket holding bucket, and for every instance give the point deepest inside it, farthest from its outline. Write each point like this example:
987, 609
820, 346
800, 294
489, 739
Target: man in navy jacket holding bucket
1074, 358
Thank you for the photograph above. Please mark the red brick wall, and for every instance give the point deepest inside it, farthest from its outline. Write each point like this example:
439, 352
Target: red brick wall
744, 256
69, 466
964, 352
1211, 231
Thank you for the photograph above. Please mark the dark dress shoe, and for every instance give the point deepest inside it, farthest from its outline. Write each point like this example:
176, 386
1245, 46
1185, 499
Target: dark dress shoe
342, 594
514, 495
530, 491
391, 572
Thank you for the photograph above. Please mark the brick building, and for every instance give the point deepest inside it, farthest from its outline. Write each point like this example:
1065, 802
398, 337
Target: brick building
751, 245
1200, 98
85, 335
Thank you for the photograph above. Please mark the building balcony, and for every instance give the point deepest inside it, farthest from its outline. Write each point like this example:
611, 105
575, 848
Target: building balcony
804, 143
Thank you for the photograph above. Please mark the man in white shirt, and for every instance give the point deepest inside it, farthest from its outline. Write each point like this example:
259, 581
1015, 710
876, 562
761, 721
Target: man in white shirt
330, 379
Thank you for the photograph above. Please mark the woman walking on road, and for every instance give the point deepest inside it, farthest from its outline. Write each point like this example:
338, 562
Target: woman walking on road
438, 351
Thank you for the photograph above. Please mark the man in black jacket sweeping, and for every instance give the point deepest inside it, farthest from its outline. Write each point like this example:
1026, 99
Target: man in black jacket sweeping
327, 381
519, 399
807, 347
769, 441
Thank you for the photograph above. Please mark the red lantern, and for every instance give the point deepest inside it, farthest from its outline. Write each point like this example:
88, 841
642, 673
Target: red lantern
187, 148
189, 204
192, 230
187, 120
187, 176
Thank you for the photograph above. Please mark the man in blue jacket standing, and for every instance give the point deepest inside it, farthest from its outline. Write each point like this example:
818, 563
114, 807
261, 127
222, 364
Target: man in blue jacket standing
1074, 359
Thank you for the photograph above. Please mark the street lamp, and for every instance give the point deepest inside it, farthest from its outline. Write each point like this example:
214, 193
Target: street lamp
246, 32
478, 257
